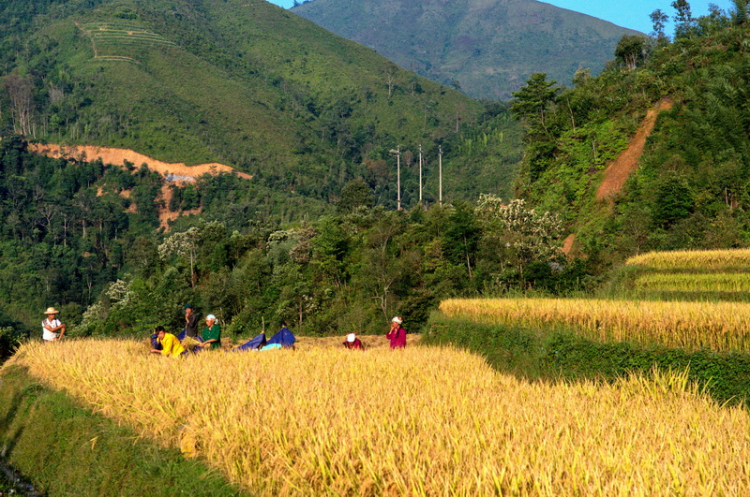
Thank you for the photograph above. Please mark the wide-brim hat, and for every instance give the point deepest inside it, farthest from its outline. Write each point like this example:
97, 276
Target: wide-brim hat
51, 310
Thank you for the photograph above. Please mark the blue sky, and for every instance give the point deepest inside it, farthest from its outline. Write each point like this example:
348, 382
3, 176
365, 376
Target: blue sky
630, 14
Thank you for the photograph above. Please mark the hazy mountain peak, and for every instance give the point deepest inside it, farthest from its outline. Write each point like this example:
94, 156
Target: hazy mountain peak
487, 47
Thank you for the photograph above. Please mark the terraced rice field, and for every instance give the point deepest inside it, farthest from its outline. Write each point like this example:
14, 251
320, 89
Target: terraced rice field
694, 259
719, 326
114, 40
422, 421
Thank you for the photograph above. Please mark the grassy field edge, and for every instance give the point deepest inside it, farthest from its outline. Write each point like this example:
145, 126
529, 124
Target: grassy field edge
65, 449
560, 354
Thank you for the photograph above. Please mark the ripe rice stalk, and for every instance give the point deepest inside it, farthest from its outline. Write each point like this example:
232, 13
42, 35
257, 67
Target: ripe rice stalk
422, 421
693, 259
720, 326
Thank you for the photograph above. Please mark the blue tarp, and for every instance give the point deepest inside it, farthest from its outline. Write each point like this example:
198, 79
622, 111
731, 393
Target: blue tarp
285, 338
254, 344
272, 346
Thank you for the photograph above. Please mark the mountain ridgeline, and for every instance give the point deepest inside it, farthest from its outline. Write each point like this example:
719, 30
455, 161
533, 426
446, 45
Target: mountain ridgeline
487, 49
239, 82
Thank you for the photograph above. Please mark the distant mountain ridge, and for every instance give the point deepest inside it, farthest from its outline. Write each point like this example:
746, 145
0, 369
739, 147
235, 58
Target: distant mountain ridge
488, 48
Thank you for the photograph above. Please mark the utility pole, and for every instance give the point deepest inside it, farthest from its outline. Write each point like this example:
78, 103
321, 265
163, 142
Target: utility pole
397, 153
420, 173
440, 174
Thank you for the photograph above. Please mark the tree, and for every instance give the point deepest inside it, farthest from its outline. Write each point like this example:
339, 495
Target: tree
631, 50
659, 20
461, 237
183, 244
355, 194
522, 234
21, 93
740, 12
674, 200
683, 19
531, 102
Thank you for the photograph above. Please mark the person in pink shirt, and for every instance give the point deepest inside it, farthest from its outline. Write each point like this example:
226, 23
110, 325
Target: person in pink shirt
353, 343
397, 335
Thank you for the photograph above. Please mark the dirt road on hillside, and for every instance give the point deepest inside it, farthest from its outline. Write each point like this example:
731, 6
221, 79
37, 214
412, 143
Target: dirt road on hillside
618, 172
118, 156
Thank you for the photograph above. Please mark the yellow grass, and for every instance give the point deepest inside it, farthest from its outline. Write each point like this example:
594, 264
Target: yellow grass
721, 326
693, 259
423, 421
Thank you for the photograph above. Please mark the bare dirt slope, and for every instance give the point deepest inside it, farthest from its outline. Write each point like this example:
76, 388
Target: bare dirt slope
118, 156
620, 170
165, 215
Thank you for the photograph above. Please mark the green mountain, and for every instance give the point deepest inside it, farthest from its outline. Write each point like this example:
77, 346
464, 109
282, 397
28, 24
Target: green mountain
240, 82
489, 49
672, 120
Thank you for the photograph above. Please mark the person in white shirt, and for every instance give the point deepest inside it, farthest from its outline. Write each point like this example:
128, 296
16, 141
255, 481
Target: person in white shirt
52, 328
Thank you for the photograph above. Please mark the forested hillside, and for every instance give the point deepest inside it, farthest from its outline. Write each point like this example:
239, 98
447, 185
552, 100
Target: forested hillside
487, 49
239, 82
690, 186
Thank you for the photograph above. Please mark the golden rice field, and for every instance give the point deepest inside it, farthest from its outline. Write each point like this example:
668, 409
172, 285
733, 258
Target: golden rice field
423, 421
693, 282
720, 326
693, 259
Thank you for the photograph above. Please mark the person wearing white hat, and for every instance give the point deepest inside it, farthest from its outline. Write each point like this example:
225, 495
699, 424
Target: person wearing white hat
353, 343
212, 333
52, 328
397, 334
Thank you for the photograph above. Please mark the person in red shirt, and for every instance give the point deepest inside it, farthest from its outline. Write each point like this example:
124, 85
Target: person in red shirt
354, 343
397, 335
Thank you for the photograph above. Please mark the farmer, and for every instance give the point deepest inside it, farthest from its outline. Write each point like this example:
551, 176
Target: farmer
191, 322
155, 341
353, 343
171, 347
52, 328
211, 334
397, 335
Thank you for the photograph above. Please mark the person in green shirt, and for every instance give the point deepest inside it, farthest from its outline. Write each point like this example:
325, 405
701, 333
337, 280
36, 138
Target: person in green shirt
212, 333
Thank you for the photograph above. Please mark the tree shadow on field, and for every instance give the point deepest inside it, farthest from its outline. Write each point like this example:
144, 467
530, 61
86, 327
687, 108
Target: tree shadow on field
561, 356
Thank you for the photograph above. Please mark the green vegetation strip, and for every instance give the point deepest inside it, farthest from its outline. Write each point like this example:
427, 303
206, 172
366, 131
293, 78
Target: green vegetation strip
65, 449
559, 354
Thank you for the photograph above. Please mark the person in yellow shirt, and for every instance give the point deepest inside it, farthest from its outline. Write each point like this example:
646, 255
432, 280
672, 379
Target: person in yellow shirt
170, 346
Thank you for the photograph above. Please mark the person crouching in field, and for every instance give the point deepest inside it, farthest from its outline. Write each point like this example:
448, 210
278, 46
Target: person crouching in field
397, 335
211, 333
52, 328
170, 345
353, 343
